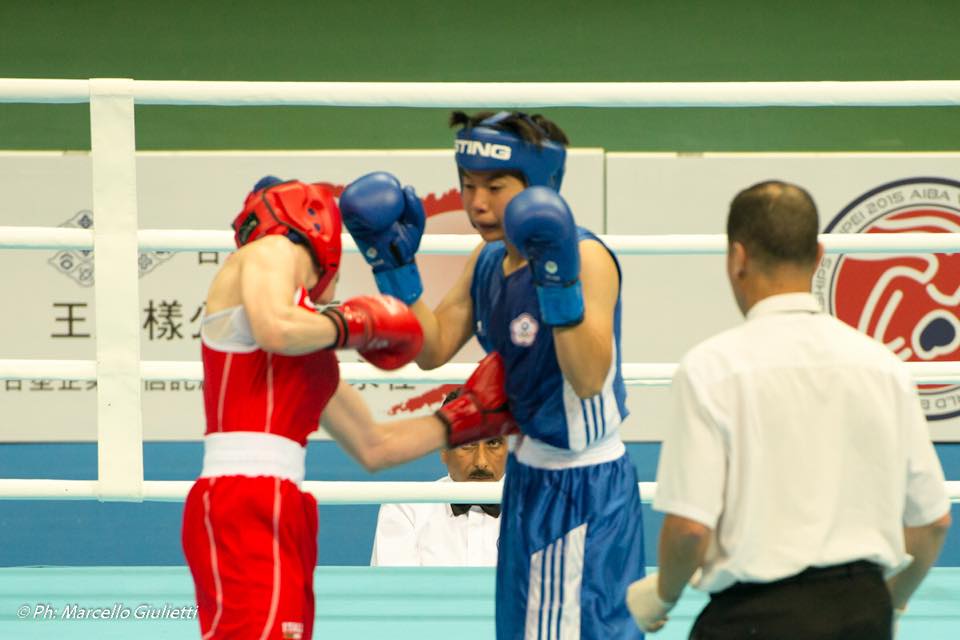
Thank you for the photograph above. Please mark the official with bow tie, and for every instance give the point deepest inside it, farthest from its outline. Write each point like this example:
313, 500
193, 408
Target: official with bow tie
453, 535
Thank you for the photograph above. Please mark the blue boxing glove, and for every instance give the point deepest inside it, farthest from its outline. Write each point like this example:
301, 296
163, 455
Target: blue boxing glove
539, 224
386, 221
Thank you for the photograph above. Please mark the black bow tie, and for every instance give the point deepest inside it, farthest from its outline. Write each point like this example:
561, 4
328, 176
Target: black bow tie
490, 509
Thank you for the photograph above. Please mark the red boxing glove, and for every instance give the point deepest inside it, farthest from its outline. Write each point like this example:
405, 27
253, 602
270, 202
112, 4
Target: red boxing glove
381, 328
480, 412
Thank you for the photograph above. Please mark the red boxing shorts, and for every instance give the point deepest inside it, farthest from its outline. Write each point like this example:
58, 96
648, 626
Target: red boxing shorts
251, 544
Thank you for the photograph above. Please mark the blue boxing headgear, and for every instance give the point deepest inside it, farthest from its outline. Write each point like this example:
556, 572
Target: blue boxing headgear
487, 148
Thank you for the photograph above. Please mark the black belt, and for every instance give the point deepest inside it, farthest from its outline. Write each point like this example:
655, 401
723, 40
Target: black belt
847, 570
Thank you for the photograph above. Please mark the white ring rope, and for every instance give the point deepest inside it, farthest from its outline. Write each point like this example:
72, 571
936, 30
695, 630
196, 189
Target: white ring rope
324, 492
179, 240
112, 123
645, 374
506, 94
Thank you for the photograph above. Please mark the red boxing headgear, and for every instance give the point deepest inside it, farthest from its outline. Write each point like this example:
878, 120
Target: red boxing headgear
305, 211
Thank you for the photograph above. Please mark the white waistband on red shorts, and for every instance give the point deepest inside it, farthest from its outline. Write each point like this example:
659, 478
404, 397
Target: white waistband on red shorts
251, 453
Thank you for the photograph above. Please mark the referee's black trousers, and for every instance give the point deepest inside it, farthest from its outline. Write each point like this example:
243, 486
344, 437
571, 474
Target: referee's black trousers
845, 602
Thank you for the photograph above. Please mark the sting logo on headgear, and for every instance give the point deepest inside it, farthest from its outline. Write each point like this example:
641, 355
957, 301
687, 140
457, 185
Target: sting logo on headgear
911, 303
487, 147
305, 213
483, 149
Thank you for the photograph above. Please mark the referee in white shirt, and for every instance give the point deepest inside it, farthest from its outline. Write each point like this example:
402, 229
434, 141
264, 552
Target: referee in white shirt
452, 535
799, 472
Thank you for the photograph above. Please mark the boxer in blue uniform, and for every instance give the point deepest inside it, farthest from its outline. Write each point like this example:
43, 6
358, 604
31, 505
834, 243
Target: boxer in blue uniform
544, 294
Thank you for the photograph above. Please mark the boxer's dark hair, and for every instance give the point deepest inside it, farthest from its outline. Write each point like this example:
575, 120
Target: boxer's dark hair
776, 222
533, 129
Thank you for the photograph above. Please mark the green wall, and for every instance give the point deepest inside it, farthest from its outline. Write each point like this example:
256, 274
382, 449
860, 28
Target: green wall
563, 40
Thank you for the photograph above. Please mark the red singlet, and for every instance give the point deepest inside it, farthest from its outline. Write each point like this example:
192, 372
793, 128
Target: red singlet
247, 389
249, 533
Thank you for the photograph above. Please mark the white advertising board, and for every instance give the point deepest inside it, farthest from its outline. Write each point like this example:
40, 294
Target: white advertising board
670, 303
48, 298
912, 304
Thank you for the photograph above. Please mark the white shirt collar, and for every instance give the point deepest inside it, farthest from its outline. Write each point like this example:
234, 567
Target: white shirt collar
784, 303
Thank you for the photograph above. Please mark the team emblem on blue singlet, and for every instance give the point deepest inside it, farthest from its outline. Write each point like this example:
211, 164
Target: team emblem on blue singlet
909, 303
523, 330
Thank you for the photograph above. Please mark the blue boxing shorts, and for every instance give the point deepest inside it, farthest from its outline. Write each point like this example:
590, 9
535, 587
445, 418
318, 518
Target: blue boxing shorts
571, 541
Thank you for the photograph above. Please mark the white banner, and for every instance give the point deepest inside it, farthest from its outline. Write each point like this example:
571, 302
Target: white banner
671, 302
49, 302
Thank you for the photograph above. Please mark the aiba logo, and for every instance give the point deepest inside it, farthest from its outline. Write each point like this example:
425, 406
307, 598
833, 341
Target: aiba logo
484, 149
523, 330
910, 303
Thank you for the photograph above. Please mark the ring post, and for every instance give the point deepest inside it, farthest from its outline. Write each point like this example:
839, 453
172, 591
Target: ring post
119, 423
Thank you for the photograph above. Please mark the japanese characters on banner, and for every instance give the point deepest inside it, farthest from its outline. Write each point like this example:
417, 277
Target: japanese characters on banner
669, 302
49, 298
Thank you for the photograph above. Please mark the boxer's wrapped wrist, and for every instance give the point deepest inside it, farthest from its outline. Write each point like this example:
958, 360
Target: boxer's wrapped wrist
561, 306
340, 324
352, 330
402, 282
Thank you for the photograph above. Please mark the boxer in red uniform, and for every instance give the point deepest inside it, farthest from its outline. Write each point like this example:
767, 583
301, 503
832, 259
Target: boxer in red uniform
270, 378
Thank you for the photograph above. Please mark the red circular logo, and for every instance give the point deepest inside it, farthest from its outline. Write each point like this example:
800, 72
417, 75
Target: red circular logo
909, 303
